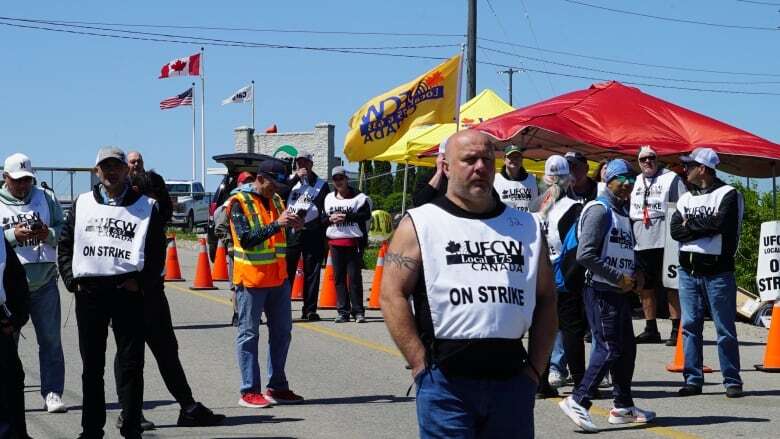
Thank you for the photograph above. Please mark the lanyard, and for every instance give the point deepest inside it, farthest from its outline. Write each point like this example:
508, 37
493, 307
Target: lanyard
645, 210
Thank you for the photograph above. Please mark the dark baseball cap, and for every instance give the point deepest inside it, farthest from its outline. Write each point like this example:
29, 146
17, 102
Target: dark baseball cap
273, 170
576, 156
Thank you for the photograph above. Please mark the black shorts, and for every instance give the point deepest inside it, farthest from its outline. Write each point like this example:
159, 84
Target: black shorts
650, 262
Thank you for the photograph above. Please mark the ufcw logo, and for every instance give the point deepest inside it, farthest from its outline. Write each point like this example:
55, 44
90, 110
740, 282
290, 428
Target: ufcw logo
111, 228
487, 255
380, 122
622, 238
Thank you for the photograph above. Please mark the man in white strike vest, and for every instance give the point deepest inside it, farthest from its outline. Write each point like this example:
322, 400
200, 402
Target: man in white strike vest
514, 184
606, 251
707, 225
112, 249
655, 188
479, 277
32, 220
307, 200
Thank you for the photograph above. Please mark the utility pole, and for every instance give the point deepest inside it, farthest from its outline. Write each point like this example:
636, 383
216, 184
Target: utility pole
509, 73
471, 51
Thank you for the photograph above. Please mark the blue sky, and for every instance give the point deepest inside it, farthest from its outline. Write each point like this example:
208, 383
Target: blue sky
65, 95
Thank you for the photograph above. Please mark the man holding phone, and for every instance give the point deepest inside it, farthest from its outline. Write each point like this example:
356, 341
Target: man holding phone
32, 220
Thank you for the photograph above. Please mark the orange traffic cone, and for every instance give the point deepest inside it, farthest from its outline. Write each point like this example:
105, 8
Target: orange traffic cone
220, 271
772, 354
678, 364
172, 269
202, 272
297, 289
376, 284
328, 288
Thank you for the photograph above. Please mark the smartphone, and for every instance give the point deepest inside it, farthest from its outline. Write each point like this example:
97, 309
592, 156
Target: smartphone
36, 226
301, 213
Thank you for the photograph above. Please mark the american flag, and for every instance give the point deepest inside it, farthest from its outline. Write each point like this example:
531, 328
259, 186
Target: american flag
175, 101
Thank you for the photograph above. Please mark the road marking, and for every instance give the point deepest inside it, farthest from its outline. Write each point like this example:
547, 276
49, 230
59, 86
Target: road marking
596, 410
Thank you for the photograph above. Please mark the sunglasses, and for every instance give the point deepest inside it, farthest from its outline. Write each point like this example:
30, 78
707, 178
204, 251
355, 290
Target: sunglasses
626, 179
647, 159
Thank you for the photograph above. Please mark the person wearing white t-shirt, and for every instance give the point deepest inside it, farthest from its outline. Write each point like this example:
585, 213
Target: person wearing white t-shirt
348, 210
516, 187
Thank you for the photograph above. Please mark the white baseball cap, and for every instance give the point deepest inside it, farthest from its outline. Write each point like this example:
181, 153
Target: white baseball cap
702, 156
556, 165
18, 166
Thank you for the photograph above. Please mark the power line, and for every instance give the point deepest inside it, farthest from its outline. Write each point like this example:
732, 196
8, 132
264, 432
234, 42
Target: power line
759, 3
533, 34
675, 20
262, 30
506, 35
661, 78
358, 33
361, 52
634, 63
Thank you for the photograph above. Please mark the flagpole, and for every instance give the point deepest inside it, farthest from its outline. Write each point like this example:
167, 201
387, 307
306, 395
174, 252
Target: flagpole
460, 86
253, 105
403, 195
202, 116
193, 132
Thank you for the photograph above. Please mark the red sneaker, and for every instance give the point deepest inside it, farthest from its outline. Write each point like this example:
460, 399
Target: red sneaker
254, 401
282, 396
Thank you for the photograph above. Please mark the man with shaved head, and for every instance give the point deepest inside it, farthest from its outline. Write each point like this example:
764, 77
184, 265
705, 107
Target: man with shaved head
479, 278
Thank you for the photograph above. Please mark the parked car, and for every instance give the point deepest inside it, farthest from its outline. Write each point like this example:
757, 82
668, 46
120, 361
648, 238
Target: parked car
235, 163
190, 203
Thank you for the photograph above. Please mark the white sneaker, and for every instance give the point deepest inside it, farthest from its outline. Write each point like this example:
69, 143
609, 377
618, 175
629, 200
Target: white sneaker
578, 414
630, 415
555, 378
54, 404
606, 382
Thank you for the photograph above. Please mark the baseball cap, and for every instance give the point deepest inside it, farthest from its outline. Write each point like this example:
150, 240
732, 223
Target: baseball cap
245, 176
110, 152
702, 156
646, 151
274, 171
513, 148
304, 155
576, 156
18, 166
617, 167
338, 170
556, 165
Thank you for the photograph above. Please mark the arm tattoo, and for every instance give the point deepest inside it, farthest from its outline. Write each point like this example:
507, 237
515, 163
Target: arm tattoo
401, 261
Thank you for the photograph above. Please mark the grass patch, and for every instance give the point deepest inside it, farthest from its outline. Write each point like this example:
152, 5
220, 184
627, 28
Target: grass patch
369, 257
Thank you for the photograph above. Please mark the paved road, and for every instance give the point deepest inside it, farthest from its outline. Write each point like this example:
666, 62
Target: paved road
355, 383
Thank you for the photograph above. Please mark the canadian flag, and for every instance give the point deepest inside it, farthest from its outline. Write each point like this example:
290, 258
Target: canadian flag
189, 66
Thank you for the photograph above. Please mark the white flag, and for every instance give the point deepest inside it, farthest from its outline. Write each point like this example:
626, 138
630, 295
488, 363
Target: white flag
242, 95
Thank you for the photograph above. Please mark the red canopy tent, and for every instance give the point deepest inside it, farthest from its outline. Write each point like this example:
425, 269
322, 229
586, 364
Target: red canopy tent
611, 119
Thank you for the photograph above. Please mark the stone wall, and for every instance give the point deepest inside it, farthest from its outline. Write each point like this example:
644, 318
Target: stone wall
320, 143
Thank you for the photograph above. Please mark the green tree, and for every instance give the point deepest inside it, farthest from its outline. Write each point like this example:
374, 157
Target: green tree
758, 209
398, 178
383, 181
368, 170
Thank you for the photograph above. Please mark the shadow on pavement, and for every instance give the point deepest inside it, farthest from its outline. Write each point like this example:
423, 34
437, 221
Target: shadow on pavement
360, 399
148, 405
680, 421
232, 421
203, 326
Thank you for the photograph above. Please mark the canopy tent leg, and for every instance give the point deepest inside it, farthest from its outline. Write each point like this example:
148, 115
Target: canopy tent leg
774, 190
403, 195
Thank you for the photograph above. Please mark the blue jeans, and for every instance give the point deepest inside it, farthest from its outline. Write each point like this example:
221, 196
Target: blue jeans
720, 291
45, 316
250, 304
460, 408
614, 347
558, 356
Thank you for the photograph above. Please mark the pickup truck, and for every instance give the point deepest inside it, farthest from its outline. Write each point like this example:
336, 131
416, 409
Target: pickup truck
190, 203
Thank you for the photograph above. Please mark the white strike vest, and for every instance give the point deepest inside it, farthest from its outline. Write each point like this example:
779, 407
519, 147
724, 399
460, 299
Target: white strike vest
109, 240
692, 206
656, 191
517, 194
550, 227
480, 275
302, 196
2, 271
31, 251
339, 205
601, 189
618, 248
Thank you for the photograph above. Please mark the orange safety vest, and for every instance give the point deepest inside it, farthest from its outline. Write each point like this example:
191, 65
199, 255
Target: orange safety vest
262, 266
